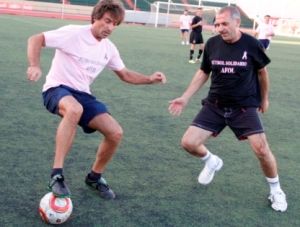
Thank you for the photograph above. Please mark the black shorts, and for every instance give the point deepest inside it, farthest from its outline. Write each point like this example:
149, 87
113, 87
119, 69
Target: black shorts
242, 121
196, 38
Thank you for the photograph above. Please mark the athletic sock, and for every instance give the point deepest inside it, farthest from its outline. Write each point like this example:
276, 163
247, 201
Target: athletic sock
200, 53
209, 159
274, 184
56, 171
191, 54
94, 176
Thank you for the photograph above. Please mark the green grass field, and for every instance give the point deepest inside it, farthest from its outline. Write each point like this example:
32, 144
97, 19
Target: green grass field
156, 182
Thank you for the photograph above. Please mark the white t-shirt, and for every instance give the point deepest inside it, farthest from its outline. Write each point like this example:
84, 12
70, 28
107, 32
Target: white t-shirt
79, 57
185, 21
263, 29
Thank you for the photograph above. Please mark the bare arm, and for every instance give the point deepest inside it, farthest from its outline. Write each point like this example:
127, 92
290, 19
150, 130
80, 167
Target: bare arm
133, 77
264, 84
35, 44
177, 105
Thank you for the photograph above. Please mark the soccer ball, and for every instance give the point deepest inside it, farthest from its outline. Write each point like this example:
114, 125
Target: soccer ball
54, 210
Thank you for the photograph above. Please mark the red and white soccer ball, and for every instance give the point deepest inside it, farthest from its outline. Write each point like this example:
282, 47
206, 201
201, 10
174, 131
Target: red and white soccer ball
54, 210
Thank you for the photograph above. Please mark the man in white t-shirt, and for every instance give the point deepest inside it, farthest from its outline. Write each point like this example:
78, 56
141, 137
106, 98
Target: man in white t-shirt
265, 31
184, 25
82, 52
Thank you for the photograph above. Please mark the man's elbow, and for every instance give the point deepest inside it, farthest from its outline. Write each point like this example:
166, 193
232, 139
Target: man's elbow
37, 39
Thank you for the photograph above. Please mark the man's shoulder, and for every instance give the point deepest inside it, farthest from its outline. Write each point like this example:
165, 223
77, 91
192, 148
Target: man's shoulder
109, 44
214, 39
76, 26
248, 37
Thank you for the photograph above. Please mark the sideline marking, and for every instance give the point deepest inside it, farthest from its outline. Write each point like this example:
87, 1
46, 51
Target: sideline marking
286, 42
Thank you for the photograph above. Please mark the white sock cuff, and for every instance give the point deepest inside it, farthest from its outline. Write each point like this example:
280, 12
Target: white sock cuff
273, 180
207, 156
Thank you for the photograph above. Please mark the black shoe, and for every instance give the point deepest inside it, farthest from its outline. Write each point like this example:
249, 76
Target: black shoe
58, 186
103, 188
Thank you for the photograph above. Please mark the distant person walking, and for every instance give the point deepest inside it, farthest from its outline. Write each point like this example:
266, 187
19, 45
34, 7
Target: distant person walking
184, 25
196, 37
265, 31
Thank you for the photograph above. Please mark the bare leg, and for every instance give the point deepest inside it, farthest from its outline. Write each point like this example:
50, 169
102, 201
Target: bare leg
260, 146
71, 111
268, 164
193, 139
113, 134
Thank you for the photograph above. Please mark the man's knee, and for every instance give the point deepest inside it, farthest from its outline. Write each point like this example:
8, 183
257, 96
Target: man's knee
187, 144
73, 112
115, 136
261, 148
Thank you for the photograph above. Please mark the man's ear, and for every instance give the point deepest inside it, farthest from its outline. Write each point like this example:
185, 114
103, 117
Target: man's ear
238, 22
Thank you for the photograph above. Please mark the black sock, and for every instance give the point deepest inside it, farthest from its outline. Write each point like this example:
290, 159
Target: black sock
191, 54
200, 53
94, 176
56, 171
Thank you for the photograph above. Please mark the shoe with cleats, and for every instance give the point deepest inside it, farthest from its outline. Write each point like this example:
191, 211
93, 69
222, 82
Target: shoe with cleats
101, 185
58, 186
278, 201
208, 172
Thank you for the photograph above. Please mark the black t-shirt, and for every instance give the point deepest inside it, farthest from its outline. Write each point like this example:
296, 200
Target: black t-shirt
234, 71
195, 20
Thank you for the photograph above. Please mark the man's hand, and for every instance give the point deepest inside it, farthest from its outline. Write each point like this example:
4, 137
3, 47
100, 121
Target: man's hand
177, 105
264, 106
34, 73
158, 77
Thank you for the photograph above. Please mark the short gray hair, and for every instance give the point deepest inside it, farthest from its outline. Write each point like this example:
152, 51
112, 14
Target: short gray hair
234, 12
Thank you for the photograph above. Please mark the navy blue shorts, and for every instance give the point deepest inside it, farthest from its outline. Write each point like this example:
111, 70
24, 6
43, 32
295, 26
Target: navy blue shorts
242, 121
265, 43
184, 30
91, 107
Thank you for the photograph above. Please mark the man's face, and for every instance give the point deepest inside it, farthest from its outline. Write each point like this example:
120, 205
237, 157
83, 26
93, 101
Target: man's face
267, 19
227, 27
104, 26
199, 12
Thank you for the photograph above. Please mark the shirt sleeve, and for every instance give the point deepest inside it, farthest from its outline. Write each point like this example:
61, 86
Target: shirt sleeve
115, 63
261, 58
59, 37
206, 63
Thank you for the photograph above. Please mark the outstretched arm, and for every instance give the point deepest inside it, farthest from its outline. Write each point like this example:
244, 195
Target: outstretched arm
35, 44
263, 77
177, 105
133, 77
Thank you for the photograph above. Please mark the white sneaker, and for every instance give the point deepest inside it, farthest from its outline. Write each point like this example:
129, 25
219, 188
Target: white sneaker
207, 174
187, 43
278, 201
182, 43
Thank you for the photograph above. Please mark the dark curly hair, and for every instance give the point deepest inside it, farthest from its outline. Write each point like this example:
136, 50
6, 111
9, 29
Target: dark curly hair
114, 7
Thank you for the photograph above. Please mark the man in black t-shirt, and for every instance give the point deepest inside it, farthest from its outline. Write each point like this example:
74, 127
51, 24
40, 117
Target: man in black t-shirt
196, 37
236, 63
